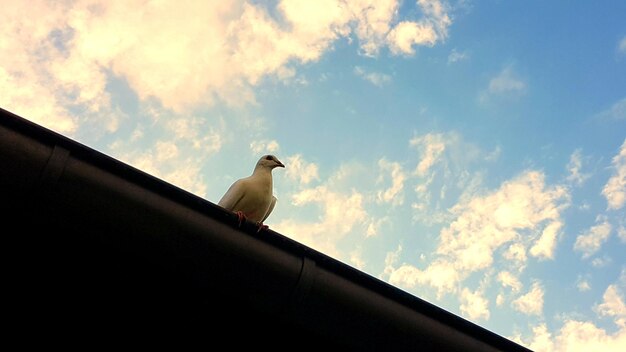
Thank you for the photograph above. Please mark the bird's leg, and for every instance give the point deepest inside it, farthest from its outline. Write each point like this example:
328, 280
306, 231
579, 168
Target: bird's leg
261, 226
240, 217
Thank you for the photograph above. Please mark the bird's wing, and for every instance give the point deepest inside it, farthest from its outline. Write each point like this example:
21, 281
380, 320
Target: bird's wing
233, 196
269, 210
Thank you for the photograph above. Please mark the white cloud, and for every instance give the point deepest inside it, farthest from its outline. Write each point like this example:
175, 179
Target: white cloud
509, 280
590, 241
356, 258
575, 336
165, 151
376, 78
373, 22
516, 253
524, 212
394, 194
474, 305
35, 102
431, 146
340, 212
582, 283
500, 299
182, 55
373, 228
436, 12
502, 217
580, 336
164, 163
583, 286
440, 274
573, 167
264, 146
31, 80
613, 305
391, 259
301, 170
433, 28
406, 34
530, 303
456, 56
175, 150
194, 130
545, 246
542, 339
615, 189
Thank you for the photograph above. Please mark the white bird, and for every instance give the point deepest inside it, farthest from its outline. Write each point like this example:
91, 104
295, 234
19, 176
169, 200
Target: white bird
252, 197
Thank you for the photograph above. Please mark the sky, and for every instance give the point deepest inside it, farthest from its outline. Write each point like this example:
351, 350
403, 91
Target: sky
472, 153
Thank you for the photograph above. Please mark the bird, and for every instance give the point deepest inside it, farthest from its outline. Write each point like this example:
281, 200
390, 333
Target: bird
252, 197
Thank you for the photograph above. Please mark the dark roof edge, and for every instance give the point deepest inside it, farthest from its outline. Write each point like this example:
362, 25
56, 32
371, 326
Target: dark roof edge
184, 198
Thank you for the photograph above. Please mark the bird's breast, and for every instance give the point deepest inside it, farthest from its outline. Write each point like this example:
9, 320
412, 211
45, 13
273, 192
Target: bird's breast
256, 201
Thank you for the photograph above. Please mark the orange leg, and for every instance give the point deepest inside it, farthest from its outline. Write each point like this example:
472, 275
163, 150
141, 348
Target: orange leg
241, 217
261, 226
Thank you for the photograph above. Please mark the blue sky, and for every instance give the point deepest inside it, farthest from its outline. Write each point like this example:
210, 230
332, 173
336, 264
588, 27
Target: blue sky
472, 153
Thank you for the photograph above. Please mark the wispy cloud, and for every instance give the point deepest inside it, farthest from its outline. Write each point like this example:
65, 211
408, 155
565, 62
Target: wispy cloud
576, 177
583, 284
544, 247
457, 56
406, 34
337, 212
443, 169
301, 170
510, 218
431, 146
264, 146
615, 189
542, 339
486, 223
580, 335
201, 53
530, 303
507, 84
613, 305
175, 150
617, 111
440, 274
507, 279
474, 305
621, 46
589, 242
576, 335
621, 231
394, 194
376, 78
601, 262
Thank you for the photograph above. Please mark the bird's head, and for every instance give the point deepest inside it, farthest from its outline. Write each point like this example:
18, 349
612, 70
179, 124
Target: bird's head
269, 161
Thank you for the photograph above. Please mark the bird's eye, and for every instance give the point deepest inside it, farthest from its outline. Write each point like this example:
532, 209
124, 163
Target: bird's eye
269, 157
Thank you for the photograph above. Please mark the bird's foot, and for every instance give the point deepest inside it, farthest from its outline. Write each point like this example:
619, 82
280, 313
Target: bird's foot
261, 227
241, 217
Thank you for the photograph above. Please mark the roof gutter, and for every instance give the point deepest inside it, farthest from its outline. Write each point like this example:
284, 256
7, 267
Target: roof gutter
104, 206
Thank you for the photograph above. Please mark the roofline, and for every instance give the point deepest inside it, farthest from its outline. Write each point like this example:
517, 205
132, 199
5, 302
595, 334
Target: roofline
305, 274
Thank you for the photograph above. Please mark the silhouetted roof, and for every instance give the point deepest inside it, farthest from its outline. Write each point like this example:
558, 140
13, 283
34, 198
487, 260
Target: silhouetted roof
104, 250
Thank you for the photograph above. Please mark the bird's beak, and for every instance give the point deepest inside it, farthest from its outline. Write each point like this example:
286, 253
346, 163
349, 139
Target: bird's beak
279, 164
